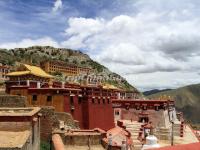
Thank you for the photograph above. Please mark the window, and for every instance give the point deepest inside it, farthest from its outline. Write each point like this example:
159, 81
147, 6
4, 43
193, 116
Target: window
34, 97
117, 112
49, 98
71, 100
103, 100
93, 101
79, 100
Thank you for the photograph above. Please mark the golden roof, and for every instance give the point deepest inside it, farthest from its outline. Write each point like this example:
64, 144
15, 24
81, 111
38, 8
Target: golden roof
109, 86
37, 71
18, 73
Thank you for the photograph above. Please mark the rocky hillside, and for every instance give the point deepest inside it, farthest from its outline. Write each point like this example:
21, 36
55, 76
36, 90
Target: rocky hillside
36, 54
187, 100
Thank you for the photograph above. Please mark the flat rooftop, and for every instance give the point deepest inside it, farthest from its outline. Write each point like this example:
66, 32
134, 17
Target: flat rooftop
27, 111
13, 139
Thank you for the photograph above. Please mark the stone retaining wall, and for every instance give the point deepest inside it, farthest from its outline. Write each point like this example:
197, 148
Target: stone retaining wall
48, 122
12, 101
68, 119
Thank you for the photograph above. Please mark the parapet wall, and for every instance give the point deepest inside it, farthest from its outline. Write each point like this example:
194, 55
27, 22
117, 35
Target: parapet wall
12, 101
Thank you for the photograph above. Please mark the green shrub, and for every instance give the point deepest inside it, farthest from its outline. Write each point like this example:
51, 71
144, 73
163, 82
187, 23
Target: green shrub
44, 145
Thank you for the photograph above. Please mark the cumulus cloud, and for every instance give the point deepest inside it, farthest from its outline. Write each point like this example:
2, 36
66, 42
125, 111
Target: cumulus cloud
127, 41
160, 40
57, 5
45, 41
154, 44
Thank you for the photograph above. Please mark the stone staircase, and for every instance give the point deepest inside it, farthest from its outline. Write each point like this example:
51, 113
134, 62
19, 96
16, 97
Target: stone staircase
134, 128
162, 133
177, 128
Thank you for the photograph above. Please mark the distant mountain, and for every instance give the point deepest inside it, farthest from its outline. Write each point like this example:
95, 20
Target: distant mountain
36, 54
154, 91
187, 100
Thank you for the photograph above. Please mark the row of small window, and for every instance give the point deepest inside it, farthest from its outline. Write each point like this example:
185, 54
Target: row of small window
49, 98
98, 101
72, 100
67, 71
80, 99
60, 67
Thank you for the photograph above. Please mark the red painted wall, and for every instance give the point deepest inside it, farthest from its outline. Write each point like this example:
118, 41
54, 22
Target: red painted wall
77, 112
91, 115
100, 115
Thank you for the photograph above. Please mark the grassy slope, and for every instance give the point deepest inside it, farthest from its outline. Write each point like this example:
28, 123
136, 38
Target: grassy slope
187, 100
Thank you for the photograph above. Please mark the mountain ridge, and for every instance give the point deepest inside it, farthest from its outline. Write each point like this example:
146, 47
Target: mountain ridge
187, 100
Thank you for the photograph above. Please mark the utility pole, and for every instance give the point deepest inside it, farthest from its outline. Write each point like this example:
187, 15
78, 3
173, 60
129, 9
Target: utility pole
172, 136
172, 117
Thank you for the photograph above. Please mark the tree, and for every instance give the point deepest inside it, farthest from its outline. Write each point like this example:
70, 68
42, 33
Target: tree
83, 62
74, 61
66, 60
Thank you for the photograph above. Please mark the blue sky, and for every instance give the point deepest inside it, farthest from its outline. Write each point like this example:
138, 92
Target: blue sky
35, 18
152, 43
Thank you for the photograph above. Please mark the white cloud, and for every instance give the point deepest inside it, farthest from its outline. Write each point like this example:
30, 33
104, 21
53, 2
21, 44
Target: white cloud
78, 33
148, 43
45, 41
57, 5
155, 44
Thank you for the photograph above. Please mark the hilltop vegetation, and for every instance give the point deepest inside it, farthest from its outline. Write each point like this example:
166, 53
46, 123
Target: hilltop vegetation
147, 93
36, 54
187, 100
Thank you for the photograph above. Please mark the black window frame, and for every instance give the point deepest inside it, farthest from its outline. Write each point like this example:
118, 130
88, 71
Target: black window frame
104, 101
99, 101
93, 100
80, 99
34, 97
71, 100
108, 101
49, 98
